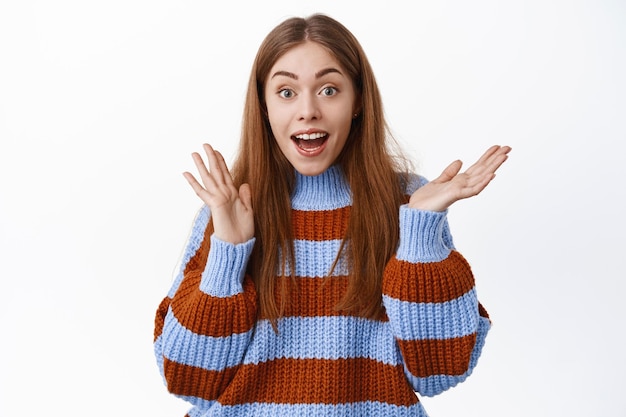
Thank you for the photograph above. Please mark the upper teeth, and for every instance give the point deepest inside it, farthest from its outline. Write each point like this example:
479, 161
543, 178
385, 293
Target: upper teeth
306, 136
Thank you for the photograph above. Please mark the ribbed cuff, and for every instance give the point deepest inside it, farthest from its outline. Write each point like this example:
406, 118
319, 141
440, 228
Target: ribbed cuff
225, 267
421, 235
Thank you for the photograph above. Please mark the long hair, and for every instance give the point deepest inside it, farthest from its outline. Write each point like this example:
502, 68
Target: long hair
367, 162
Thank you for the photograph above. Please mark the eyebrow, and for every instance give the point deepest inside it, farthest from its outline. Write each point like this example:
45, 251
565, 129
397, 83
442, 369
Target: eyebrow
318, 74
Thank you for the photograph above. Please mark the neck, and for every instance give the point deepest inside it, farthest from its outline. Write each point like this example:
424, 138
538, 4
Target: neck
326, 191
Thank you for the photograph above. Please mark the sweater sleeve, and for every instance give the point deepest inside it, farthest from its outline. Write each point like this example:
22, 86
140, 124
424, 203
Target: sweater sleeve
204, 324
430, 299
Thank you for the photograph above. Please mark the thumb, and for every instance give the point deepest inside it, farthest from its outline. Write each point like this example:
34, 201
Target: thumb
246, 195
450, 171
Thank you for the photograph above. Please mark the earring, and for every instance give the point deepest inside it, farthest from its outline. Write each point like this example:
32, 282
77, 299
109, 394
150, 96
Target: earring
355, 115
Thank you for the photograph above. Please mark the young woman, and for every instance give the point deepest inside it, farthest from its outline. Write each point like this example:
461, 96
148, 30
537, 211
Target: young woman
320, 278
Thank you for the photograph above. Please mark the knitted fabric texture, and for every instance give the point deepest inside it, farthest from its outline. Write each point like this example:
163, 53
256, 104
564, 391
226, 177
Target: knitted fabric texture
214, 352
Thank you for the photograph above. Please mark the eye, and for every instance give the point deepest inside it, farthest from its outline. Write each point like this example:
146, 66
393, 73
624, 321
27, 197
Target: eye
329, 91
286, 93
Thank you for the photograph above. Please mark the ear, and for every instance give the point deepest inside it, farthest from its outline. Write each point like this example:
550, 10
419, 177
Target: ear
357, 108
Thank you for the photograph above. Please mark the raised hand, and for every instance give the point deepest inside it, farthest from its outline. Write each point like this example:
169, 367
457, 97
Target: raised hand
231, 209
452, 186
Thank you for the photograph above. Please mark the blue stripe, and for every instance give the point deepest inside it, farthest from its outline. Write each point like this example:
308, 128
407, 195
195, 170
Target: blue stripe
315, 258
436, 384
414, 182
158, 353
419, 321
327, 191
365, 408
183, 346
323, 338
423, 236
201, 405
226, 267
193, 244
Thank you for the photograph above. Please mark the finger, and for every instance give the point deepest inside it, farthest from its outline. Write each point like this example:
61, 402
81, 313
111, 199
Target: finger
450, 172
477, 167
490, 160
205, 175
495, 152
498, 159
497, 163
488, 154
214, 165
228, 179
195, 185
475, 184
246, 196
483, 178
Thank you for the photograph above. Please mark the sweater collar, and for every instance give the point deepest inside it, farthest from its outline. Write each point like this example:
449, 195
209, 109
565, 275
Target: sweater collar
326, 191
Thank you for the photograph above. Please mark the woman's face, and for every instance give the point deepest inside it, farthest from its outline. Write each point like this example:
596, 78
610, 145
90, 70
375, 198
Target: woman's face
310, 104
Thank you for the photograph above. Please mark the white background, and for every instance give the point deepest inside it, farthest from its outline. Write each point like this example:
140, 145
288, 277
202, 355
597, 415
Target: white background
101, 104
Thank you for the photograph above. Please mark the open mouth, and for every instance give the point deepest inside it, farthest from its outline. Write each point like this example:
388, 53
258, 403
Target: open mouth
310, 142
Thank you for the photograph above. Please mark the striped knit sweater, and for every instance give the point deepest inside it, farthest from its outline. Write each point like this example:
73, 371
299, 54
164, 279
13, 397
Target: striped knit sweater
213, 351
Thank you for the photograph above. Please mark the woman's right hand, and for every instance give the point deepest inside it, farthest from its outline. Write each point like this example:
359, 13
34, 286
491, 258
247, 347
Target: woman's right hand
231, 209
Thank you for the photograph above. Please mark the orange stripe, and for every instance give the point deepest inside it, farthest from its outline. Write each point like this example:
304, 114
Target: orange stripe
206, 315
438, 357
433, 282
309, 297
159, 320
319, 381
320, 225
198, 260
313, 297
196, 382
482, 312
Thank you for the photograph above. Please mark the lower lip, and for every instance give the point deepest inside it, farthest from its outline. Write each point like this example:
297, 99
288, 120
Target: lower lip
312, 152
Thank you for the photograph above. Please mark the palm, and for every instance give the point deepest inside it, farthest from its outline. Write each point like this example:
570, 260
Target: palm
452, 185
231, 209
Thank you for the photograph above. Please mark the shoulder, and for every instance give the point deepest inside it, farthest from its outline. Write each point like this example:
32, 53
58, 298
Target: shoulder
202, 218
411, 182
199, 226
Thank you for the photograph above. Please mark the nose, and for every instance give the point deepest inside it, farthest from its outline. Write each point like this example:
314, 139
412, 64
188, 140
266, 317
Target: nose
309, 108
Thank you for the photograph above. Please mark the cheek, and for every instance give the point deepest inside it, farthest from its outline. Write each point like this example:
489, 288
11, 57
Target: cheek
348, 127
272, 122
279, 133
347, 124
270, 112
275, 118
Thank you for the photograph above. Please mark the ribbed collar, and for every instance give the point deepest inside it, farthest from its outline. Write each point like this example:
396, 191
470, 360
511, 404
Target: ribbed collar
326, 191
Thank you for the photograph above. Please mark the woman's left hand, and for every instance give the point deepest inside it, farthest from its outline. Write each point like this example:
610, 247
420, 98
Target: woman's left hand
452, 186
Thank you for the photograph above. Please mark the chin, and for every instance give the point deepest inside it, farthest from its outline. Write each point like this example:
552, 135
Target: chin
311, 170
